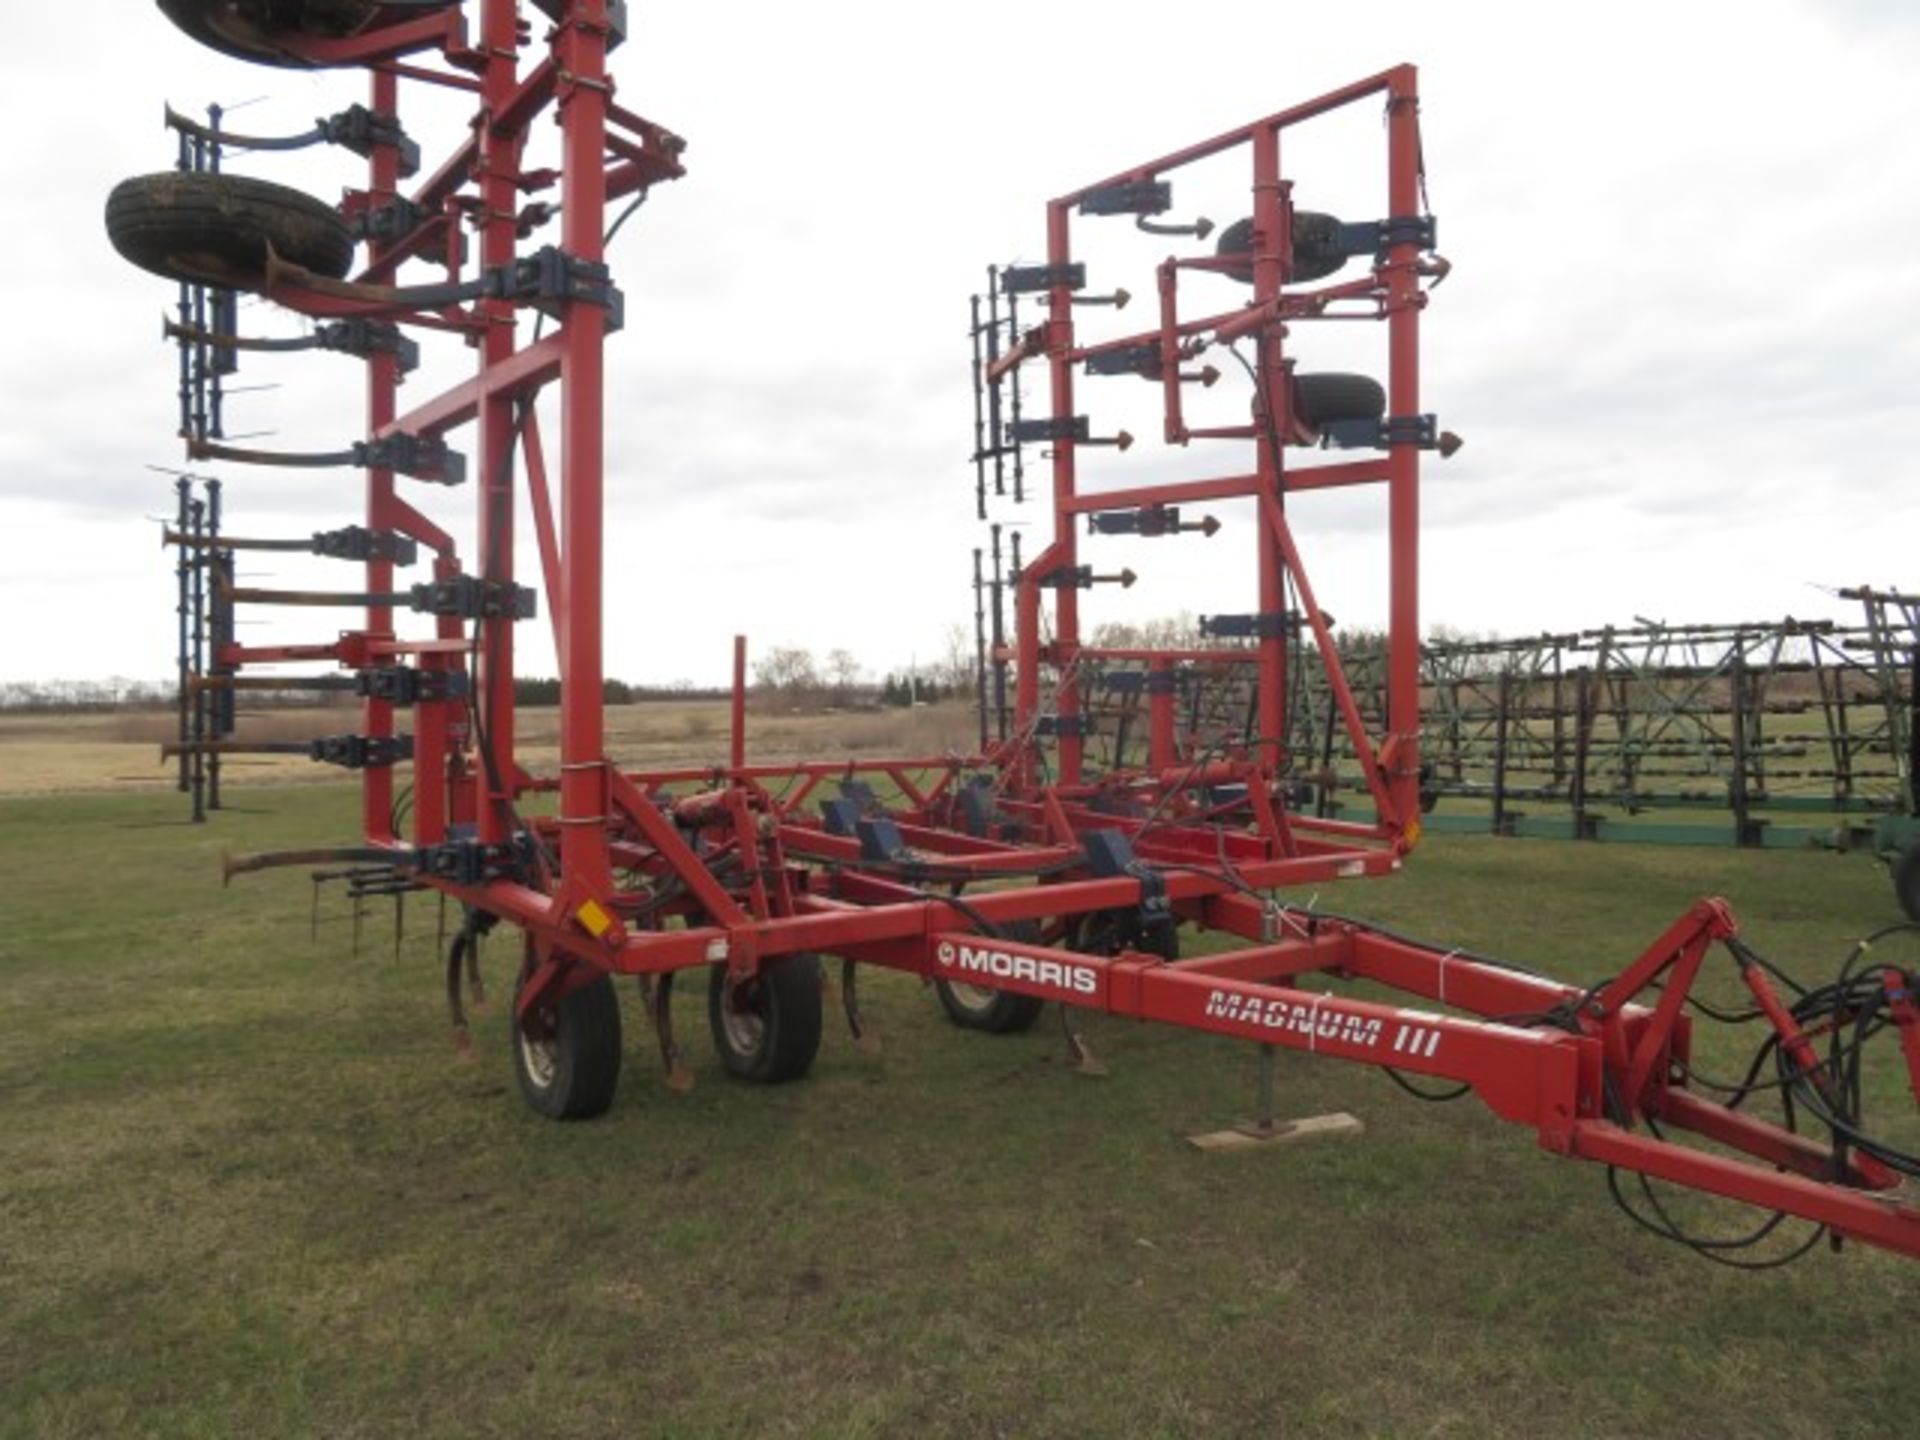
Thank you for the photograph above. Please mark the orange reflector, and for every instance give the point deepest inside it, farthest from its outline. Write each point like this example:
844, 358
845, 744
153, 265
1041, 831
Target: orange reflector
596, 920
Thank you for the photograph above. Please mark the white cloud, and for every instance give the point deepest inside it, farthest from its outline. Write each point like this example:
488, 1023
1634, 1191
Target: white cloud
1679, 339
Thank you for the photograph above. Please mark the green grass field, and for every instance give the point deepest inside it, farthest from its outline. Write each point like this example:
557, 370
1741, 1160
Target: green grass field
246, 1188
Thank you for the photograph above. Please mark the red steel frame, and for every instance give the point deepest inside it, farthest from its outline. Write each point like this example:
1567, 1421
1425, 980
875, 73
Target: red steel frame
718, 866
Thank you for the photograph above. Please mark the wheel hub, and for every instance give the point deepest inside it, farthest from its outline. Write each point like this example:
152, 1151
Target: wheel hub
540, 1048
972, 997
744, 1020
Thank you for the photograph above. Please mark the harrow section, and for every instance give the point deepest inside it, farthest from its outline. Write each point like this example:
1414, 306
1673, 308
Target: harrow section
1022, 874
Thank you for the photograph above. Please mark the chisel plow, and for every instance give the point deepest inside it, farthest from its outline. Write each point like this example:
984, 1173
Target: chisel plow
1009, 878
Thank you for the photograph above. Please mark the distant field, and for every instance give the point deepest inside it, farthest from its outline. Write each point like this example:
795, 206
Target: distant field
45, 755
246, 1188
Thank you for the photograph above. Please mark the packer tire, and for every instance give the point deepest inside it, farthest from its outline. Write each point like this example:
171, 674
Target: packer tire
1328, 398
256, 30
1318, 250
209, 229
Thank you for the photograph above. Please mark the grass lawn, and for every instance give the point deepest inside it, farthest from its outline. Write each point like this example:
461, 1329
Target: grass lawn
246, 1188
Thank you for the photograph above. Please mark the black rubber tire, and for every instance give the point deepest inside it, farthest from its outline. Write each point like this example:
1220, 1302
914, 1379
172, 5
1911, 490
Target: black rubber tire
1906, 880
990, 1011
567, 1059
781, 1008
1317, 248
1323, 399
251, 29
216, 229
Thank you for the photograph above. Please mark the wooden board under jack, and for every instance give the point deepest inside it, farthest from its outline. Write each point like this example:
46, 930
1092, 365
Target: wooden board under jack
1258, 1137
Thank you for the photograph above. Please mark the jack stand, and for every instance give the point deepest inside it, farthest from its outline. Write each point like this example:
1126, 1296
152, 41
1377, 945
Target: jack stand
1263, 1130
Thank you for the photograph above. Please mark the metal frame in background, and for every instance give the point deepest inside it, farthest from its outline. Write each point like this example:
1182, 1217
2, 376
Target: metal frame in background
654, 872
1789, 726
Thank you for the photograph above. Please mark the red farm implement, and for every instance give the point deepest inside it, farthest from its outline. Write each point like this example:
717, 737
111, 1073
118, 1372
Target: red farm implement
1021, 874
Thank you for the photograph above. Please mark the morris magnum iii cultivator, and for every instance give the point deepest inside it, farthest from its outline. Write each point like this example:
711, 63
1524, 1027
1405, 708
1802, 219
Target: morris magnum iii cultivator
1008, 878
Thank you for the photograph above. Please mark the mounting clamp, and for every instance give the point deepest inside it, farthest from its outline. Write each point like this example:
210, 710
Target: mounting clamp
361, 338
1421, 430
389, 222
1065, 427
882, 844
1080, 726
472, 599
1376, 237
982, 815
467, 861
1248, 627
550, 278
1149, 522
1024, 279
356, 542
1129, 197
1110, 856
361, 752
403, 685
358, 129
839, 817
1142, 360
1068, 577
410, 455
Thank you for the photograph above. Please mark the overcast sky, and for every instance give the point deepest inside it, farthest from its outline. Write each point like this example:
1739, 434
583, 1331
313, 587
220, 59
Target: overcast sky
1681, 337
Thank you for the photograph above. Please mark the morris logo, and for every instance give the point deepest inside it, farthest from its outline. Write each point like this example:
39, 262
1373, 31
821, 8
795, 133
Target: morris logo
990, 964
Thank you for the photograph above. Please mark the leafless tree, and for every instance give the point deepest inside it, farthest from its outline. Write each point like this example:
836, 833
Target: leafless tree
843, 670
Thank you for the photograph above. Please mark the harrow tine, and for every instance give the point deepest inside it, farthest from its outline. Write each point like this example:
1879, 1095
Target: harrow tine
461, 951
658, 995
864, 1038
476, 986
1080, 1057
246, 864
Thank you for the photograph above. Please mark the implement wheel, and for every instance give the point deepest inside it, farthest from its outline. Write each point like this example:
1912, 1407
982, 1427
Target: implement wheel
258, 30
990, 1011
767, 1030
1906, 880
217, 229
566, 1053
1317, 247
1324, 399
